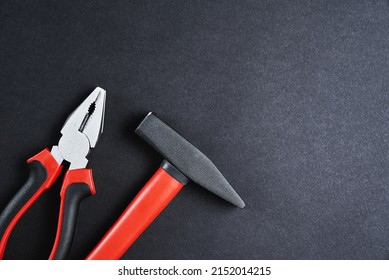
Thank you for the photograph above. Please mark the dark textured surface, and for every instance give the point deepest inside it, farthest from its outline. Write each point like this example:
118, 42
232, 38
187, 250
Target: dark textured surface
288, 98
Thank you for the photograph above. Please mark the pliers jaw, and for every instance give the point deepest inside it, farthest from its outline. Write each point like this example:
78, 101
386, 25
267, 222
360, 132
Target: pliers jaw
81, 131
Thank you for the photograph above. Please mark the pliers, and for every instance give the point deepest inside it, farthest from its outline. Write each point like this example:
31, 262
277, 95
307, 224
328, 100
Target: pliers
80, 133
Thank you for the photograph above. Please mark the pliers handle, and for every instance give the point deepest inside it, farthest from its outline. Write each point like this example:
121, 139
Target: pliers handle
43, 171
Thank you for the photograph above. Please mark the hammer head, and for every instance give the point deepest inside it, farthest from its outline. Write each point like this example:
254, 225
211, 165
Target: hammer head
186, 158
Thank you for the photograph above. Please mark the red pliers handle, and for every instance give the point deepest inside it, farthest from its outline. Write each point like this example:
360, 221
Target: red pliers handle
43, 171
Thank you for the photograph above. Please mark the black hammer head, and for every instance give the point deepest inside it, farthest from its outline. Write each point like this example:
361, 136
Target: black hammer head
186, 158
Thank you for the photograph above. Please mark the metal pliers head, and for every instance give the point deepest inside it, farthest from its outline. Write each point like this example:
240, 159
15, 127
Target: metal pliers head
81, 131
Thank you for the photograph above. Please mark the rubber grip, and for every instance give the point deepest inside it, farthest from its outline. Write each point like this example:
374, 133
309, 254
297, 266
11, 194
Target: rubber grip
77, 185
146, 206
43, 170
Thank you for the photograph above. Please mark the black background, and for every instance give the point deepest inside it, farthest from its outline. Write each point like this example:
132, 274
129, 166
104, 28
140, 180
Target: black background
288, 98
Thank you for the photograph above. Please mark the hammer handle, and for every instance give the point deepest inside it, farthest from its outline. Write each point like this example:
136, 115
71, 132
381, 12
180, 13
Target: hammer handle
146, 206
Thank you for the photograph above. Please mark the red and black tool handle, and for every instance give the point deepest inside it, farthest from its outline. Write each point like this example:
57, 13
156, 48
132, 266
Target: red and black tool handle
43, 171
77, 185
163, 186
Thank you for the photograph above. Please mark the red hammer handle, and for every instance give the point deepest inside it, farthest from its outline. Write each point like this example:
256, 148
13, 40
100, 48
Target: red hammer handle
146, 206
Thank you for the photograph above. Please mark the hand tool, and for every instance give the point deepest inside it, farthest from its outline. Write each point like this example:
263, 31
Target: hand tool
183, 161
80, 133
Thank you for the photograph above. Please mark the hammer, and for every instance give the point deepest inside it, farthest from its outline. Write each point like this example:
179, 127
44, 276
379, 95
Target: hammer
183, 161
